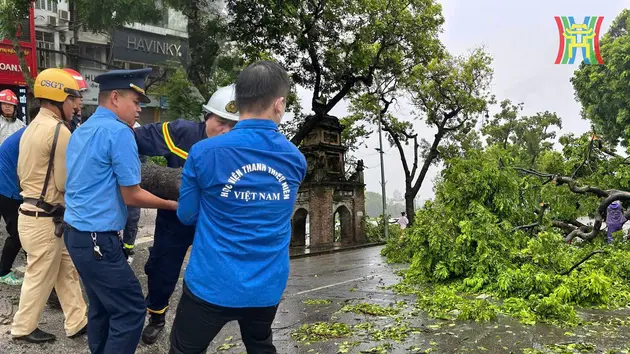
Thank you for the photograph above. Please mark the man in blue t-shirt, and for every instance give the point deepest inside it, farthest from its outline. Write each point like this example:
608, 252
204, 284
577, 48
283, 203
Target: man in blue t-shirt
10, 200
239, 267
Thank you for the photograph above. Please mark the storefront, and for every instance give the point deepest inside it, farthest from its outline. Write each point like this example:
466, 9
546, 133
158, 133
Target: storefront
11, 76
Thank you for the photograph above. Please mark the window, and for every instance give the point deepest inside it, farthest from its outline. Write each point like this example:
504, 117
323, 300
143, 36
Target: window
135, 66
91, 56
45, 44
48, 5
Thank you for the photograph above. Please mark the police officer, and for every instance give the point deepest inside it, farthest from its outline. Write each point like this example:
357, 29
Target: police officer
42, 175
239, 267
172, 239
103, 177
9, 124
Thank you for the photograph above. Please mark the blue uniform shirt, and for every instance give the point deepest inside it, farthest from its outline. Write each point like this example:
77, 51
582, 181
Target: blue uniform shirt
180, 136
102, 156
9, 183
240, 189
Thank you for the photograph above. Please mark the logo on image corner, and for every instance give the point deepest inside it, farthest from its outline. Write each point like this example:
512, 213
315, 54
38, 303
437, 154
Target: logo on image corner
583, 36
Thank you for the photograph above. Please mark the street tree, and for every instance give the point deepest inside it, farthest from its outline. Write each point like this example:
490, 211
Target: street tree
531, 135
450, 92
333, 48
602, 90
12, 16
87, 14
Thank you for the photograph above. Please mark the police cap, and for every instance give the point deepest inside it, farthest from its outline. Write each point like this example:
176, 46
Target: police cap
125, 80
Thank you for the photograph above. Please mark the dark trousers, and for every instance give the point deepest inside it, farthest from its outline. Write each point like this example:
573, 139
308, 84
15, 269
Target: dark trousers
197, 322
116, 306
131, 228
170, 244
9, 211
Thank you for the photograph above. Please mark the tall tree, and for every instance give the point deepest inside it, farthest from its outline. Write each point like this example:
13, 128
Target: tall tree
12, 16
527, 136
333, 47
450, 92
603, 89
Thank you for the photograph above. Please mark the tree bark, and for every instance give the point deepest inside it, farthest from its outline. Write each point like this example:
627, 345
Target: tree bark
26, 72
163, 182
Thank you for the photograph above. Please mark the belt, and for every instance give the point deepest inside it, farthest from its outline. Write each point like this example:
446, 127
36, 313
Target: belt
36, 214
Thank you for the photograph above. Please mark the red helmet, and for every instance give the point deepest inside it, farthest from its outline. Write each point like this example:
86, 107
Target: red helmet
7, 96
79, 78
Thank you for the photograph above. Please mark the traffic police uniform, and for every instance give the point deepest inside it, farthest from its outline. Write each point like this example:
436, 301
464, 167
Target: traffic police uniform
102, 156
173, 140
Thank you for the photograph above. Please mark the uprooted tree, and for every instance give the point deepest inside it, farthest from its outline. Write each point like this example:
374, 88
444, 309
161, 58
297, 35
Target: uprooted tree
500, 229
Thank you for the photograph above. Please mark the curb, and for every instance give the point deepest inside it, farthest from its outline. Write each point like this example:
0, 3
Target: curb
349, 248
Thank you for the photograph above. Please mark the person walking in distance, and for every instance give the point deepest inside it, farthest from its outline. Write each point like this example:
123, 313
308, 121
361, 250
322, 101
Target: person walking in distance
103, 177
403, 222
42, 175
239, 267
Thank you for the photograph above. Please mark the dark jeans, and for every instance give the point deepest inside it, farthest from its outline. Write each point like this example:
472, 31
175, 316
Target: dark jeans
116, 313
170, 244
197, 322
9, 212
131, 228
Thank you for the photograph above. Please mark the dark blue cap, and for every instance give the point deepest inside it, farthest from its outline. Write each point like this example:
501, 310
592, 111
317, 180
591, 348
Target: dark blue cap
125, 80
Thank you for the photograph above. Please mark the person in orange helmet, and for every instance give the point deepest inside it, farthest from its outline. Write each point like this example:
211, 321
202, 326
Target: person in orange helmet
9, 124
75, 122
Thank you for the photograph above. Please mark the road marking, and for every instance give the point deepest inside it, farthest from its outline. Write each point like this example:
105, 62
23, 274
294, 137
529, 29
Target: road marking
332, 285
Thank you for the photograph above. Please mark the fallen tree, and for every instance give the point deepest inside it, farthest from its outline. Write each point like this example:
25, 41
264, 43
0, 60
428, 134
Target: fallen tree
161, 181
494, 230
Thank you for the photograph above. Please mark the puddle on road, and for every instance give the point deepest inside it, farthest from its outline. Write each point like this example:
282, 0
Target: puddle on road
358, 327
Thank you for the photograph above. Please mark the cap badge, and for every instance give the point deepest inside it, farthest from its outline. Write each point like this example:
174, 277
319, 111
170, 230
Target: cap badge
231, 107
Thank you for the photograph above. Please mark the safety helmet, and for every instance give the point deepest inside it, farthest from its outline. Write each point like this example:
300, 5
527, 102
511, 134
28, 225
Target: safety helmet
56, 85
79, 78
223, 104
7, 96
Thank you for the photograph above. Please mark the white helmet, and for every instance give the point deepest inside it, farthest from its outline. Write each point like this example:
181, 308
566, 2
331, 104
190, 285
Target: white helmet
223, 104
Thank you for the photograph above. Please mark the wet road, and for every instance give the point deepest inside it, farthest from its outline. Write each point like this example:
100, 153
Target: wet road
351, 277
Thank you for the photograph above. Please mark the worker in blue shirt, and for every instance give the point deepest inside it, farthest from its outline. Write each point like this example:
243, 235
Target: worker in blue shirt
239, 266
103, 176
10, 200
172, 239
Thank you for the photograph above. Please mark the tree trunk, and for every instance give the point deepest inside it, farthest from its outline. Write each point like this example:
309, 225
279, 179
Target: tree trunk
161, 181
410, 208
26, 73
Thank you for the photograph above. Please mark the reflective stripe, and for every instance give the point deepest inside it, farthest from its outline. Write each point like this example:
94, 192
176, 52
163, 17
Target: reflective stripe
159, 312
169, 143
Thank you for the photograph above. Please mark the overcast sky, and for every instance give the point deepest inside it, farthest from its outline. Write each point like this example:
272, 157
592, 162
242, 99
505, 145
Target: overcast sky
522, 37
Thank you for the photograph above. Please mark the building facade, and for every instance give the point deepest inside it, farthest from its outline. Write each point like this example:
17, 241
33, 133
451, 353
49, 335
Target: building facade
135, 46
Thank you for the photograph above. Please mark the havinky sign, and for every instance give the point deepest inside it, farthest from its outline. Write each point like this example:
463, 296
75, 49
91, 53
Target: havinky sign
148, 48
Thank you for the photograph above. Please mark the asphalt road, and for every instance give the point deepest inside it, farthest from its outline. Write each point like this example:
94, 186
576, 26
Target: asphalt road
348, 278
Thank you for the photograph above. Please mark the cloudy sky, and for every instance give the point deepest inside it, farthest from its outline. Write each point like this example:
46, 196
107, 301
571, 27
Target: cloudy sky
522, 37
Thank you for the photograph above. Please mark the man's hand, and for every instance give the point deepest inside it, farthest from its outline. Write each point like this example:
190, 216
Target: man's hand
138, 197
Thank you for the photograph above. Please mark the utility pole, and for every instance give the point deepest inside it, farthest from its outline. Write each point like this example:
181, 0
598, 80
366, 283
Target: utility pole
380, 150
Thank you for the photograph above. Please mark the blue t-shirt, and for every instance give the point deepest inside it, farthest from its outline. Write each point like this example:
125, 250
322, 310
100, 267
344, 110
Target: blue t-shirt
239, 189
102, 155
9, 151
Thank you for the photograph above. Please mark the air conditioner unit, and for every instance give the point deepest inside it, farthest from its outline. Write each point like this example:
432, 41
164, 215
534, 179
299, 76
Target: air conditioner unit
52, 21
64, 15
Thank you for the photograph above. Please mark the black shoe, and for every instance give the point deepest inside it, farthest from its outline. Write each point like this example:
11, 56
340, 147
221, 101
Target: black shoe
81, 332
37, 336
152, 331
53, 301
